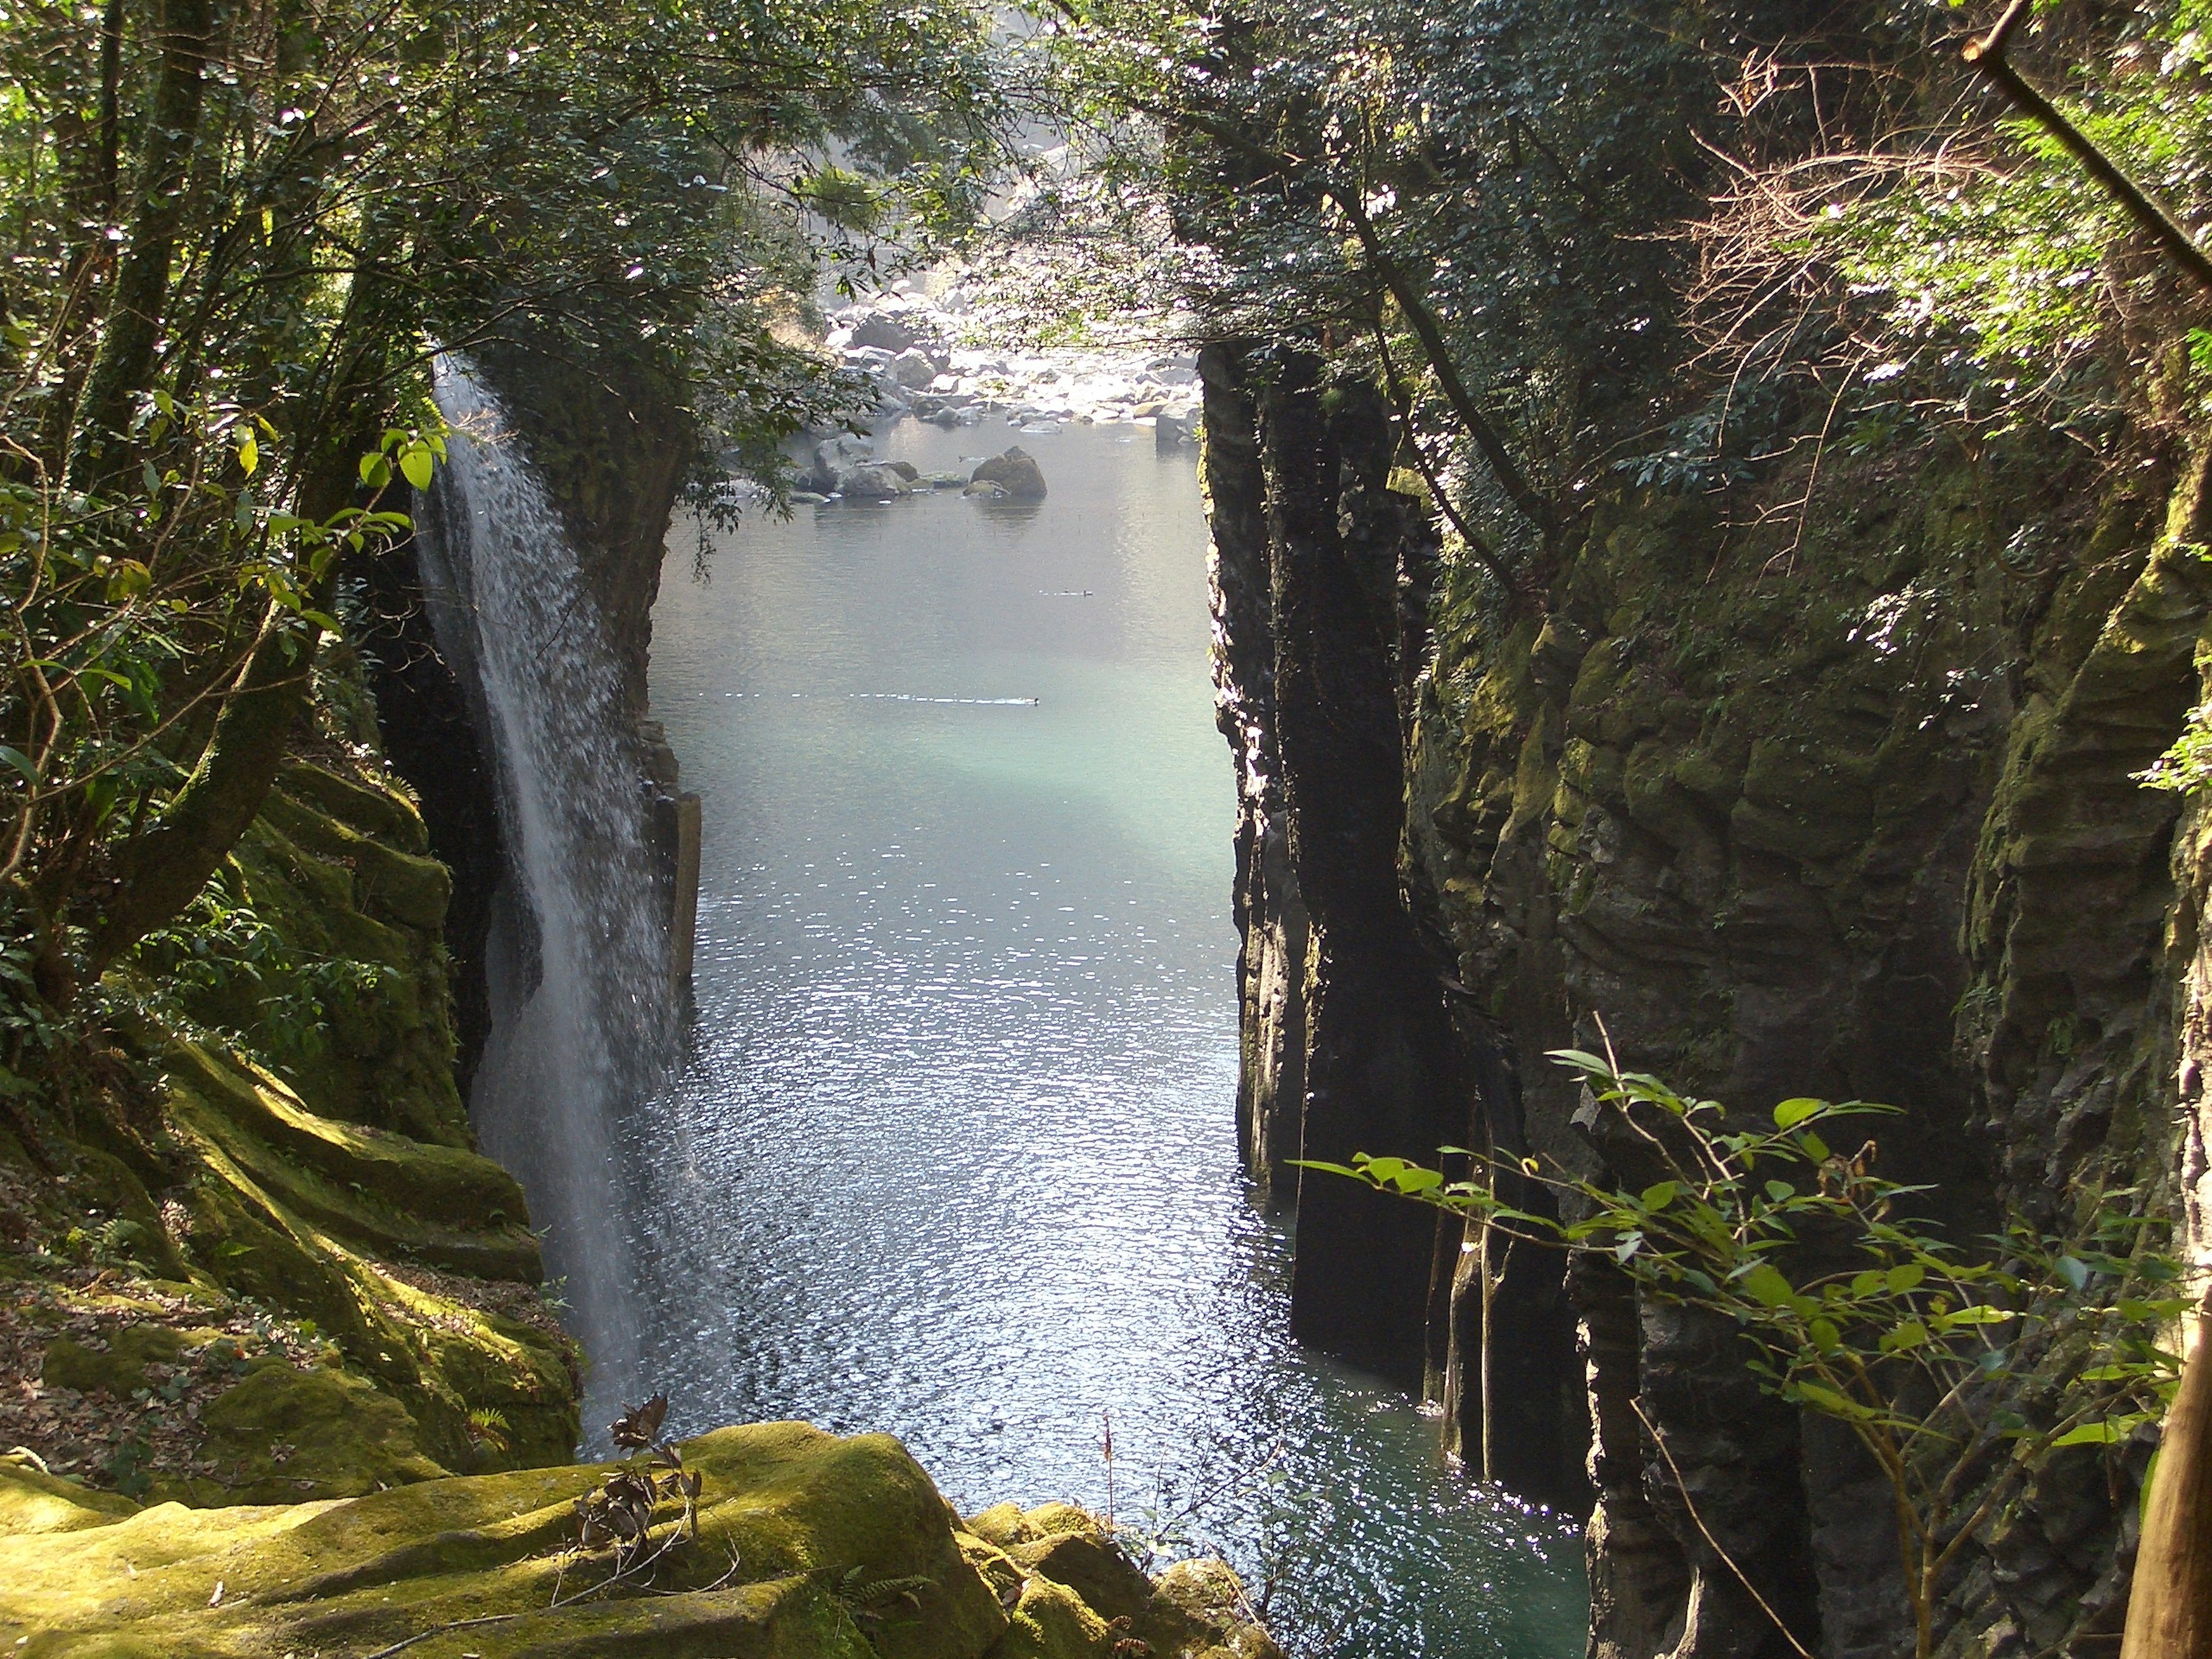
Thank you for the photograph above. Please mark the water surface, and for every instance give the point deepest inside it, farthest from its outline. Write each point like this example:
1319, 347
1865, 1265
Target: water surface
956, 1156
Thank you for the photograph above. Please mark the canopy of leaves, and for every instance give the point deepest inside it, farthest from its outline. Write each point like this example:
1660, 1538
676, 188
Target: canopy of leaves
232, 237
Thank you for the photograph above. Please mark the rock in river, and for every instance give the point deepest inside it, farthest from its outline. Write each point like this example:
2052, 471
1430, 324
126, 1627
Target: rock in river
1014, 474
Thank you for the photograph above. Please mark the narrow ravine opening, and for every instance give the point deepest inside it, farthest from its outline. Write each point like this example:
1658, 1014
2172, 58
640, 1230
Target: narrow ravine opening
955, 1155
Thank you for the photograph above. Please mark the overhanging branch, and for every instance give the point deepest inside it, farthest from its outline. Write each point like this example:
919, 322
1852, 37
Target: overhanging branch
1987, 56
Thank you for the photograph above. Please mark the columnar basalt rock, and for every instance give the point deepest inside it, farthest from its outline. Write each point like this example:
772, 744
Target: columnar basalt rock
1846, 809
1347, 1043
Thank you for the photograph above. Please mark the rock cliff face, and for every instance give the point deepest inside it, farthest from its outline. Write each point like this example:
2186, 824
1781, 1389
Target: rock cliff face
265, 1264
1841, 805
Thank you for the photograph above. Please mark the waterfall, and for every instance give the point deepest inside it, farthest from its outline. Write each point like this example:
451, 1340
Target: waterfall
577, 963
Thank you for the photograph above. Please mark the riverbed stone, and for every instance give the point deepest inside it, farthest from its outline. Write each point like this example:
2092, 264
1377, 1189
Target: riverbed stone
872, 483
1014, 474
914, 369
883, 332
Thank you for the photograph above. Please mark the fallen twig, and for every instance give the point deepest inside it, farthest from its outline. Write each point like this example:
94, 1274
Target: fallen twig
440, 1630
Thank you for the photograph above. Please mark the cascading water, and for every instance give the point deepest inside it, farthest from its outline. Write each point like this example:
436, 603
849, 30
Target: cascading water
576, 964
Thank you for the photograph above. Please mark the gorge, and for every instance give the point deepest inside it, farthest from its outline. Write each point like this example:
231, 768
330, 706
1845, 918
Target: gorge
1541, 982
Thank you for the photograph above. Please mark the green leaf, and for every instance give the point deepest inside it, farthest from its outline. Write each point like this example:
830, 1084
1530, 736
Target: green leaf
1905, 1276
2102, 1433
2073, 1270
128, 581
1978, 1315
1780, 1191
415, 463
1910, 1334
249, 454
1792, 1113
1827, 1400
1580, 1061
1825, 1337
1769, 1287
1659, 1196
375, 472
22, 763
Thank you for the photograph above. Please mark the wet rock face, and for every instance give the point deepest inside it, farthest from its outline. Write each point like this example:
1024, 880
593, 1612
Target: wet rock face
1849, 815
607, 439
612, 454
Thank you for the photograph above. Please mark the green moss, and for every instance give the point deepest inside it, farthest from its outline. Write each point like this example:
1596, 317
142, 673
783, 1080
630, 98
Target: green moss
381, 812
283, 1434
808, 1546
384, 1191
119, 1370
34, 1502
1051, 1622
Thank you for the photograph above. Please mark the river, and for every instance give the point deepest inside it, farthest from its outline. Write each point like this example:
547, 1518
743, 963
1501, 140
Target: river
954, 1156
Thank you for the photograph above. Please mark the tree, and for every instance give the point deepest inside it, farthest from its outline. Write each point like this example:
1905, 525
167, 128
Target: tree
236, 235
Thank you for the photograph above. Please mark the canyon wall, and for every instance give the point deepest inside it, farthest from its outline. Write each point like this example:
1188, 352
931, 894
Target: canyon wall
1837, 801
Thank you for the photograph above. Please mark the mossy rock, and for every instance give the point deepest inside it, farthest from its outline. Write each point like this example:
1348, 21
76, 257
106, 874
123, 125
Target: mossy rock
1058, 1551
284, 1434
406, 888
119, 1370
445, 1206
1050, 1621
33, 1501
383, 813
810, 1521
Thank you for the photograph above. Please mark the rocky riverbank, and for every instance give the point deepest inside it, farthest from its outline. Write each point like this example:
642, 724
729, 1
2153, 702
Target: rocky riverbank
920, 356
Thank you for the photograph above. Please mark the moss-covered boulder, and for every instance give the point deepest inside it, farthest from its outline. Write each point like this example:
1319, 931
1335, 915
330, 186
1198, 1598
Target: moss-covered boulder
805, 1546
1070, 1593
284, 1433
34, 1502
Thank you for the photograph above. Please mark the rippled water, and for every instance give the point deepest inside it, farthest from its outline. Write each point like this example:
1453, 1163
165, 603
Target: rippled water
956, 1156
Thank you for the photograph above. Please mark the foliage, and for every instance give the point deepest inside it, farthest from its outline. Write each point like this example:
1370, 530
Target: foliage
1849, 1306
1671, 248
232, 239
1370, 166
220, 954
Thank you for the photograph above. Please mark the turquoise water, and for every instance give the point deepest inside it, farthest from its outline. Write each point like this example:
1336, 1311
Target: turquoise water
955, 1156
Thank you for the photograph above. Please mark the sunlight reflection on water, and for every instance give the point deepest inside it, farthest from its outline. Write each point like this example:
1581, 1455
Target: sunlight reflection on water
956, 1156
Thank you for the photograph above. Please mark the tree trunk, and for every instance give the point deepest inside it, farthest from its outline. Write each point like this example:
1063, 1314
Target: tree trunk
157, 874
2170, 1602
124, 366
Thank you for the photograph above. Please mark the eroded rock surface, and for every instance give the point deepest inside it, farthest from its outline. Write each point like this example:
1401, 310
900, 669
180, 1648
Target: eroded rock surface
1837, 801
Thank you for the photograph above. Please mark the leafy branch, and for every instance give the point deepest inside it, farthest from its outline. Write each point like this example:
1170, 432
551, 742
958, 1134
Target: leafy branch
1851, 1306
